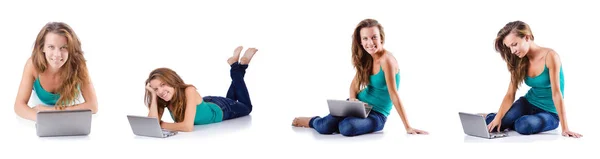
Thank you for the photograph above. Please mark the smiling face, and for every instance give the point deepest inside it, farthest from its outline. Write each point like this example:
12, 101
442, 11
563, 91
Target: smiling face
519, 46
55, 50
371, 39
162, 89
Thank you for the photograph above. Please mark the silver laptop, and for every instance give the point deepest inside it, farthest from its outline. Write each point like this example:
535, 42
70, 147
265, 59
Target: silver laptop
63, 123
348, 108
475, 125
146, 126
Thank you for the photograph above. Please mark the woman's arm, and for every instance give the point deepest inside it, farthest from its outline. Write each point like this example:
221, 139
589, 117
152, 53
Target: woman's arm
21, 108
553, 63
507, 102
153, 110
390, 80
89, 95
187, 125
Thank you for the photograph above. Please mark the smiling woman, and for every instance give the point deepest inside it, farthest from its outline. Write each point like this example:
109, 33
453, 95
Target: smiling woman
57, 72
166, 89
376, 83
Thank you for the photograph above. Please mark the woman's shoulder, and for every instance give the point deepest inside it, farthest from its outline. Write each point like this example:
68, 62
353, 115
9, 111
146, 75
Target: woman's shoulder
552, 58
192, 94
30, 68
549, 51
190, 90
388, 60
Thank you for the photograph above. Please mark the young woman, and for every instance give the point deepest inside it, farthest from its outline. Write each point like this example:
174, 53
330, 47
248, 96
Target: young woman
375, 83
57, 72
165, 89
542, 108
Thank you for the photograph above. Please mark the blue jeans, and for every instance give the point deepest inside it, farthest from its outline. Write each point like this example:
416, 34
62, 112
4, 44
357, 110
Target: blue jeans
526, 118
237, 101
348, 126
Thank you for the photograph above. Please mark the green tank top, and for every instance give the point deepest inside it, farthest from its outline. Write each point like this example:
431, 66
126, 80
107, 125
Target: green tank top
207, 113
376, 93
540, 94
46, 97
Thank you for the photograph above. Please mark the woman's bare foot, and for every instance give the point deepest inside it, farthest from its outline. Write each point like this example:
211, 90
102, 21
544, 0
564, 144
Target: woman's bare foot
301, 122
248, 56
236, 55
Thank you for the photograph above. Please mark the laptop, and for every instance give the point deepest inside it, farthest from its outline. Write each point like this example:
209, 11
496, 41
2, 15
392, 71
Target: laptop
147, 126
63, 123
348, 108
475, 125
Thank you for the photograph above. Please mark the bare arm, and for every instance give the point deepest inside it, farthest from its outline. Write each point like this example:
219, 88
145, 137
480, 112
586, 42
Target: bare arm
21, 108
507, 102
390, 80
187, 124
153, 110
553, 63
89, 95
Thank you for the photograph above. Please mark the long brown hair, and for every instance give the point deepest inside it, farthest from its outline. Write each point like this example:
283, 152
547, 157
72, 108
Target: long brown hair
516, 66
361, 59
73, 73
170, 78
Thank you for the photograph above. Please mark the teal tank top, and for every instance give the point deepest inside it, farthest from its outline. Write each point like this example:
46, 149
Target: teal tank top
376, 93
540, 94
207, 113
46, 97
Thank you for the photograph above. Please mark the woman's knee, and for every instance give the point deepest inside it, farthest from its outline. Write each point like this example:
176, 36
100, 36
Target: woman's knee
348, 128
549, 121
249, 108
356, 126
527, 125
324, 130
322, 126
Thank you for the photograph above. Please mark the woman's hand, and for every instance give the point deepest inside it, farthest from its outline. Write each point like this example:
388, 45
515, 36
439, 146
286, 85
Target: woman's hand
151, 90
416, 131
495, 123
568, 133
40, 108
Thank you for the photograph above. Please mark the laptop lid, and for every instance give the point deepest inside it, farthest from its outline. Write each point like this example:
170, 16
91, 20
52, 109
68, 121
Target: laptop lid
145, 126
63, 123
348, 108
474, 125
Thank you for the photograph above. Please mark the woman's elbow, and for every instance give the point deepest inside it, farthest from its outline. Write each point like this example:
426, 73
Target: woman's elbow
557, 95
17, 109
93, 106
94, 111
188, 128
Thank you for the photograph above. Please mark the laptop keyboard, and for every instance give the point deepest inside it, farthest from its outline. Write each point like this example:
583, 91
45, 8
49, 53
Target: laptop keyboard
167, 133
497, 134
368, 109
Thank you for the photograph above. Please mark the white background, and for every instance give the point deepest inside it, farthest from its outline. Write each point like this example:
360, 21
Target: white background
444, 49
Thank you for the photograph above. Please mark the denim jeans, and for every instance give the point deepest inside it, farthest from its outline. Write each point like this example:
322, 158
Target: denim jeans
348, 126
237, 101
526, 118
